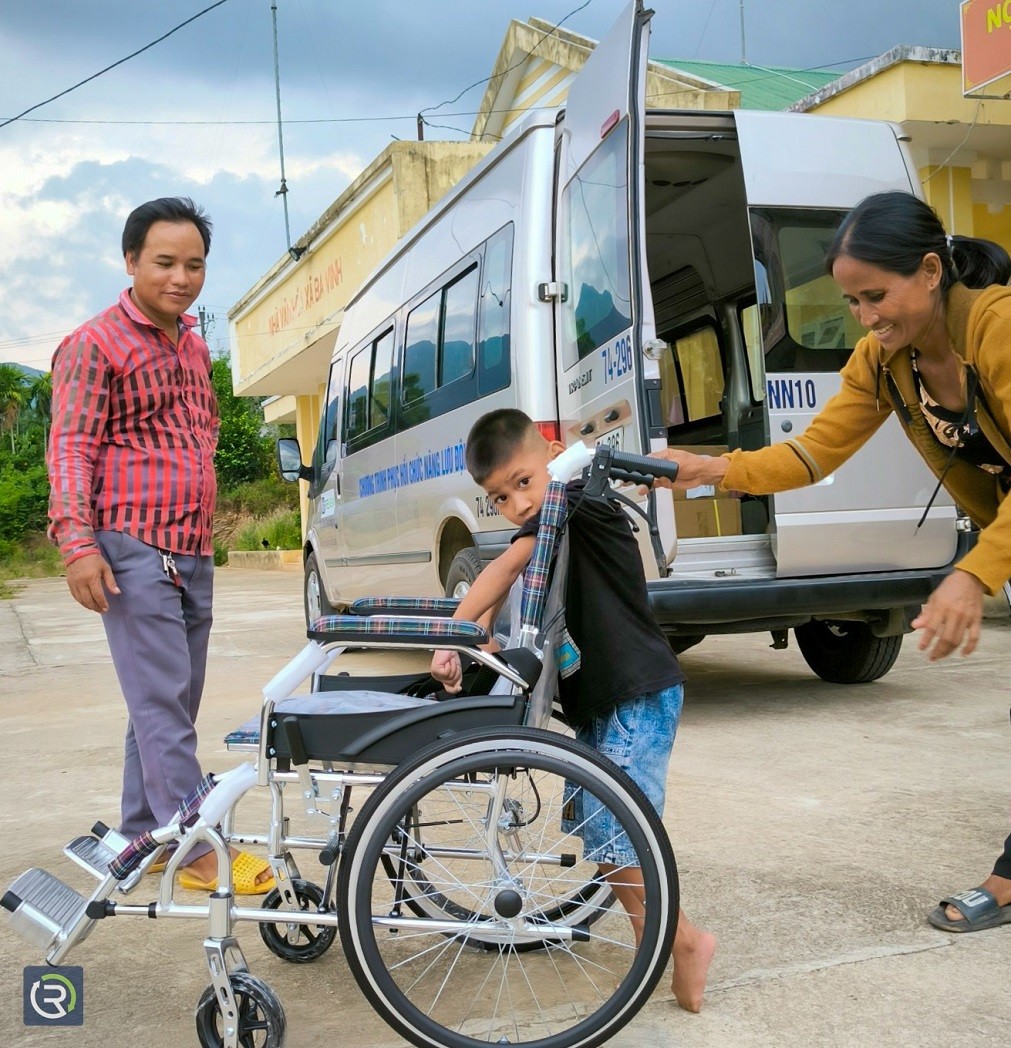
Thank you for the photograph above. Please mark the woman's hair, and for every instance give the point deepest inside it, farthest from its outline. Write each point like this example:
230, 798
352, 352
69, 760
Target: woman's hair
894, 231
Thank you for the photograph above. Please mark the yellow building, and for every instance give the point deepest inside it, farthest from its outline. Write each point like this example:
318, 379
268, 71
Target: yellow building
961, 147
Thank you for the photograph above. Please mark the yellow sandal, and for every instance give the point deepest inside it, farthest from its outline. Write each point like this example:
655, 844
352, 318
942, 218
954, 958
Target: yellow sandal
245, 869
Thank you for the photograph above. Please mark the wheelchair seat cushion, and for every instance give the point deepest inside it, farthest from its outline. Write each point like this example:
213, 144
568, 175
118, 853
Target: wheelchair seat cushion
374, 727
329, 703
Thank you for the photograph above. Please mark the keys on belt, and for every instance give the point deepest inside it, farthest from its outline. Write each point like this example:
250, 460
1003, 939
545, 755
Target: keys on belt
168, 565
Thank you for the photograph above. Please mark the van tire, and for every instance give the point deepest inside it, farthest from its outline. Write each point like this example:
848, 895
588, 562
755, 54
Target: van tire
313, 594
465, 568
846, 652
681, 642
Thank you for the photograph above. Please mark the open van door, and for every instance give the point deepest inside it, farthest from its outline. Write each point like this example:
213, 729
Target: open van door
608, 389
801, 176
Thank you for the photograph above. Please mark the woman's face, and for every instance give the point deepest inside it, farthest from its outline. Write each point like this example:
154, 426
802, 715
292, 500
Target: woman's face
899, 310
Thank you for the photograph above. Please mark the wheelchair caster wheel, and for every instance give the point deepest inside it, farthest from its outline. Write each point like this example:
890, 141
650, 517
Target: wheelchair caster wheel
309, 940
260, 1020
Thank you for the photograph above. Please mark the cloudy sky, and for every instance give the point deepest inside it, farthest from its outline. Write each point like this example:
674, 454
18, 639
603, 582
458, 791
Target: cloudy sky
196, 115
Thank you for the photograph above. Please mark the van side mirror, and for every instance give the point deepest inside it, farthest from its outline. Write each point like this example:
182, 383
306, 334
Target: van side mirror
289, 460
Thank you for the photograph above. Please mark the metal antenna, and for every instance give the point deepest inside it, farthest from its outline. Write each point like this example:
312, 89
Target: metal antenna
744, 57
295, 252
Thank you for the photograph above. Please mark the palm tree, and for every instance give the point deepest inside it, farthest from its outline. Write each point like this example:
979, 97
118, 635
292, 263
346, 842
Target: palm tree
40, 398
13, 397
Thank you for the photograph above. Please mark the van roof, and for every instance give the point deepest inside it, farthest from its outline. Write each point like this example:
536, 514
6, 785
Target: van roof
535, 119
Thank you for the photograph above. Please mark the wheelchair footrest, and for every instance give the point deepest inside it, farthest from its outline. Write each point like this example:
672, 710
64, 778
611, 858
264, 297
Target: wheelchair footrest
91, 854
42, 906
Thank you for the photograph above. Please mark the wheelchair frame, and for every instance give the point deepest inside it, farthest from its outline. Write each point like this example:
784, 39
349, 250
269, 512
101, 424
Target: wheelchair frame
405, 916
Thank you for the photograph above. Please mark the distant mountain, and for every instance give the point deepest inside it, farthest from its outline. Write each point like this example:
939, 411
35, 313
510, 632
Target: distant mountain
29, 372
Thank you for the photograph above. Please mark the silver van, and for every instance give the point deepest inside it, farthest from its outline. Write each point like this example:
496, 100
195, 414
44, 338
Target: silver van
642, 277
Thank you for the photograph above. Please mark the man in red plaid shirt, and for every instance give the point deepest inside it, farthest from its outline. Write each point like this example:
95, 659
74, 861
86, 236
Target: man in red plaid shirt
131, 464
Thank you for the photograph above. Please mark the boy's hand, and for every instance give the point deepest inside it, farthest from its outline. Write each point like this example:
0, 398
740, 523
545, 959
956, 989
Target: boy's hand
447, 669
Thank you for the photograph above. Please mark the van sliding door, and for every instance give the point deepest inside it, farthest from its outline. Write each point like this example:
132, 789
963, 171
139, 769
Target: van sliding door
604, 312
802, 174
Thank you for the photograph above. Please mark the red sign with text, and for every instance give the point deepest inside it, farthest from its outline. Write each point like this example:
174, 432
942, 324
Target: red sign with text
986, 42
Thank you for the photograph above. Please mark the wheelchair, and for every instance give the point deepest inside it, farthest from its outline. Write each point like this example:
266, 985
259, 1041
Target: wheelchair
465, 906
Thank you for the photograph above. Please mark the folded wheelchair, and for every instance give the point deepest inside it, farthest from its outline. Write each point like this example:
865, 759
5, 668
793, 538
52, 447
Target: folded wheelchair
447, 829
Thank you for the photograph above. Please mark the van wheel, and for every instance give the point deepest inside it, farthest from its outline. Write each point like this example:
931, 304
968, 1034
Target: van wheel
315, 602
463, 571
846, 652
680, 642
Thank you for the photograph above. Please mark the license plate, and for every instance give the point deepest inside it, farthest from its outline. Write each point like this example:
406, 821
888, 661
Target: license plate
614, 439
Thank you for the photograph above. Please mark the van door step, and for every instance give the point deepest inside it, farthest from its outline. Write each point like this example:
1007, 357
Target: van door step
91, 854
42, 907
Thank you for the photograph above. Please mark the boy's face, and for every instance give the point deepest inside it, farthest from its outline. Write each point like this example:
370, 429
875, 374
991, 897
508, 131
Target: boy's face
517, 487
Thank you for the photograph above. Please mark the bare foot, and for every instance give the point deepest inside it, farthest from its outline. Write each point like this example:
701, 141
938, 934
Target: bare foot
693, 953
1001, 888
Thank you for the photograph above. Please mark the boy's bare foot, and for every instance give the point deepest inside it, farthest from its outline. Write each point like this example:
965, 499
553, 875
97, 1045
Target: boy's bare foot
693, 953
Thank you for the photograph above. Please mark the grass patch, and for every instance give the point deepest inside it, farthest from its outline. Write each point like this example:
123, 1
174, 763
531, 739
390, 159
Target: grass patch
34, 557
281, 529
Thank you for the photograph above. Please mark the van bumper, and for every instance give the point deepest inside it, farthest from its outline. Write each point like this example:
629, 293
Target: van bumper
694, 607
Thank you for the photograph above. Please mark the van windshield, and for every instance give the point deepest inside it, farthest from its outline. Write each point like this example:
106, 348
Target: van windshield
803, 321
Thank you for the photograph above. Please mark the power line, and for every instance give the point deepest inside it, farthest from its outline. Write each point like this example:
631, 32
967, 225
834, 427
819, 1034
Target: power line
94, 76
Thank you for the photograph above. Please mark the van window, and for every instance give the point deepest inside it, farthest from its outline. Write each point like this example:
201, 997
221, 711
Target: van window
594, 261
691, 378
456, 351
420, 354
439, 354
806, 325
327, 443
368, 392
493, 319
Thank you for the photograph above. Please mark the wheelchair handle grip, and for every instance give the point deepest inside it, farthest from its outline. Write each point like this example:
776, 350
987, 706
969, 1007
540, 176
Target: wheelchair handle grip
640, 467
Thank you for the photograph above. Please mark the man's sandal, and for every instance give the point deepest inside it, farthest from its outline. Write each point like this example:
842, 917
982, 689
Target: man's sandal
245, 869
979, 910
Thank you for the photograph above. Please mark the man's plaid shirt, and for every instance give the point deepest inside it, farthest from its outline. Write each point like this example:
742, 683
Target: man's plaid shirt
135, 426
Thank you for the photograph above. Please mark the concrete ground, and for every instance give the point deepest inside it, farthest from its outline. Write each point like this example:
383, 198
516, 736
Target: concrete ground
815, 825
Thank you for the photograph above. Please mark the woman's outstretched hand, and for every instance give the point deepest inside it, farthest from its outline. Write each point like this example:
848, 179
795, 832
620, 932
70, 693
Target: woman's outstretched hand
952, 616
693, 470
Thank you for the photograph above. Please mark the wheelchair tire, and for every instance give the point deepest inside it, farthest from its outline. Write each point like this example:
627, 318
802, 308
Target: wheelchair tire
261, 1021
313, 940
422, 973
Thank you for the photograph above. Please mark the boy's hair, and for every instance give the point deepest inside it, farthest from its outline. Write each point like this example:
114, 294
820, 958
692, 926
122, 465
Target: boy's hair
494, 439
164, 209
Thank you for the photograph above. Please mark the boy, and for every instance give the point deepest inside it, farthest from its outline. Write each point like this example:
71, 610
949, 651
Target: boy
625, 698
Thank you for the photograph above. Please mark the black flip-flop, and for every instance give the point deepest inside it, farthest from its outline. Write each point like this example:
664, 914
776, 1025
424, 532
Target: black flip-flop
978, 907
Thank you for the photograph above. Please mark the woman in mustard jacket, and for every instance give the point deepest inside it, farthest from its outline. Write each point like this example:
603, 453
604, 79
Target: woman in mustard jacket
938, 354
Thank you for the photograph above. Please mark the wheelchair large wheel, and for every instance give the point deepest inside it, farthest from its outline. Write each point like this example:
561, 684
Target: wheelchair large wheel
481, 817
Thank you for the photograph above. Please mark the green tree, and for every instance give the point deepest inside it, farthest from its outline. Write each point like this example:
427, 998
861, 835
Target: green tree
13, 398
245, 448
40, 398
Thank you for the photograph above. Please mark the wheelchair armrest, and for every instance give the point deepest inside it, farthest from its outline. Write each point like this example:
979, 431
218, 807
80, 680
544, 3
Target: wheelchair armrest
394, 629
430, 606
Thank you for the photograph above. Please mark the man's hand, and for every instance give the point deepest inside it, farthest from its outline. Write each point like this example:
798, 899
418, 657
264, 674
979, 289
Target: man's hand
952, 616
446, 668
88, 578
693, 470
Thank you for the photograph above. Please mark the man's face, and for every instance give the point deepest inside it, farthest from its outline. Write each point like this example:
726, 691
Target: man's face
168, 272
517, 487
